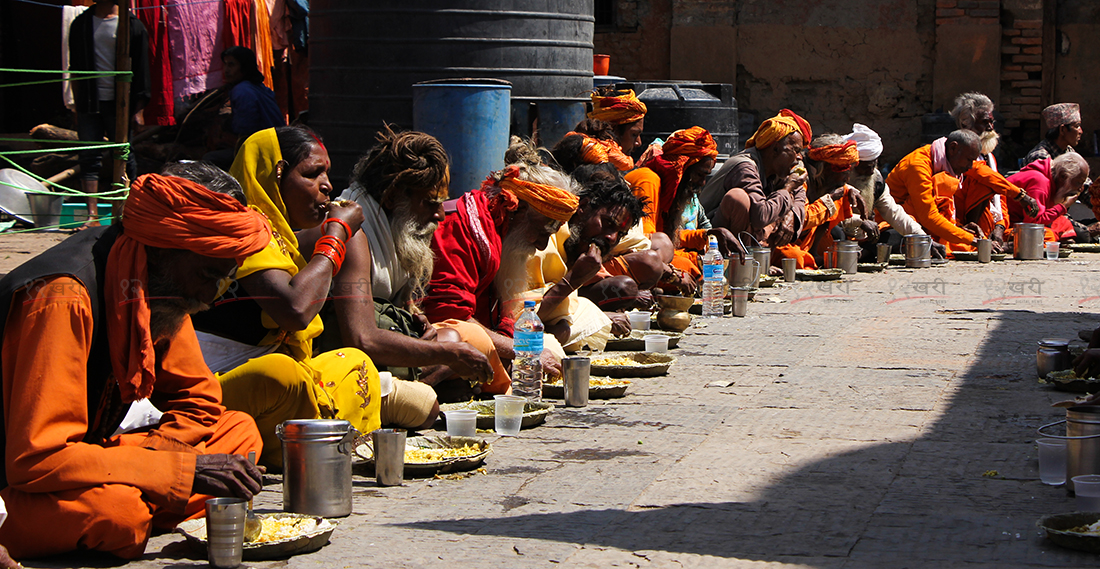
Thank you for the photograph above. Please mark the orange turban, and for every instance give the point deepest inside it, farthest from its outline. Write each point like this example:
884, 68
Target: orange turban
619, 108
778, 127
596, 151
170, 213
555, 203
841, 157
682, 149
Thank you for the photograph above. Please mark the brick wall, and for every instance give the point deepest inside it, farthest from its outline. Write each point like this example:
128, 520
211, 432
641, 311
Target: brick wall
1021, 71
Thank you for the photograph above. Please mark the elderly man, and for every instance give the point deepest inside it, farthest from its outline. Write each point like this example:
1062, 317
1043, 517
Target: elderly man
974, 112
1055, 185
836, 211
925, 182
482, 248
761, 190
876, 196
101, 321
607, 210
624, 112
401, 184
1063, 132
669, 183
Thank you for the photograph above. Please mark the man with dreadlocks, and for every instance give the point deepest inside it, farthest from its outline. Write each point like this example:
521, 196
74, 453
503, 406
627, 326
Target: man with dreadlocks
401, 184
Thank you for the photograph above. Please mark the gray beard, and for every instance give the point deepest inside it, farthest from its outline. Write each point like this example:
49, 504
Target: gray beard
866, 187
511, 279
167, 305
989, 141
412, 244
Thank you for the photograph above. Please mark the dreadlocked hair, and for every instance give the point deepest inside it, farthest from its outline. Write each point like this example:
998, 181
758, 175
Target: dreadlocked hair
523, 155
600, 130
400, 162
604, 186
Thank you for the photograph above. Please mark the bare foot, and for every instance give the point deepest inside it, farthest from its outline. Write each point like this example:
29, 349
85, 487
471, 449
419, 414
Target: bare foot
6, 562
87, 225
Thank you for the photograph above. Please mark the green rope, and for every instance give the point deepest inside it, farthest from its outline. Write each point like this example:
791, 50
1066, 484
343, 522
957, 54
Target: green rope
103, 146
70, 225
124, 76
117, 194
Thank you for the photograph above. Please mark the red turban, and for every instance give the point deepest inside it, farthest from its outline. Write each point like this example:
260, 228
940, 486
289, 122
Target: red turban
778, 127
170, 213
682, 149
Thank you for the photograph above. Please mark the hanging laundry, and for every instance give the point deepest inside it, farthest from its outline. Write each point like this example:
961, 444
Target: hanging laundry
161, 107
195, 37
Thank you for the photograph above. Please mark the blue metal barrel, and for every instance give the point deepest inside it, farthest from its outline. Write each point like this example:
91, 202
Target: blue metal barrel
470, 117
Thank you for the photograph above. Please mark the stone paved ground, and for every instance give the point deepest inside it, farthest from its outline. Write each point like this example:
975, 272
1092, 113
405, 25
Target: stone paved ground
875, 422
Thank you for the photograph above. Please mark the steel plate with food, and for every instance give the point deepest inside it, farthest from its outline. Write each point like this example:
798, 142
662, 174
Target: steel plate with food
1076, 530
598, 388
1084, 247
434, 454
819, 274
638, 364
871, 267
534, 412
281, 535
1067, 380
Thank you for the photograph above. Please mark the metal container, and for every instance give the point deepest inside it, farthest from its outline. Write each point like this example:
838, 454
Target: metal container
575, 372
918, 251
1028, 241
847, 256
365, 57
1053, 355
470, 117
882, 253
225, 532
763, 255
673, 105
985, 250
744, 273
790, 268
389, 456
317, 466
1082, 441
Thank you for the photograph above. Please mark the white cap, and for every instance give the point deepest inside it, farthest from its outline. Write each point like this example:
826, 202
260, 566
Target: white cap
867, 141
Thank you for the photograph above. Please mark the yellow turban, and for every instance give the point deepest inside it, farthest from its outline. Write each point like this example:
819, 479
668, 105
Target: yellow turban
555, 203
619, 108
778, 127
841, 157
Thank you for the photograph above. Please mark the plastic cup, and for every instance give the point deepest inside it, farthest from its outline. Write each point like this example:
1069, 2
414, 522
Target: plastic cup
1052, 461
656, 343
790, 270
639, 319
461, 422
1051, 248
508, 411
225, 531
1087, 489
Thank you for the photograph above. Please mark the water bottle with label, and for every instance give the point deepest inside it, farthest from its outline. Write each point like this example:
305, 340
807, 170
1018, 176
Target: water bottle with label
527, 343
713, 277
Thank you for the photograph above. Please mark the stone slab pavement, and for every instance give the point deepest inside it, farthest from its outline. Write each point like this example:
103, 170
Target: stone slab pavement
885, 420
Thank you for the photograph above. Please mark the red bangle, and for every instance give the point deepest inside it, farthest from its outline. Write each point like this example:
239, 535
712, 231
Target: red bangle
333, 249
334, 242
342, 223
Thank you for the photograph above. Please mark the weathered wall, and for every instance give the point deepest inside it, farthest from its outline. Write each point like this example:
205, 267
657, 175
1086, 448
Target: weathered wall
639, 43
1077, 64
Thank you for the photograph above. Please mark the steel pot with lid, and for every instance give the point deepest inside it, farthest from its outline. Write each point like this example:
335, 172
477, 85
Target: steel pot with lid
1053, 355
1082, 441
1028, 241
317, 466
847, 256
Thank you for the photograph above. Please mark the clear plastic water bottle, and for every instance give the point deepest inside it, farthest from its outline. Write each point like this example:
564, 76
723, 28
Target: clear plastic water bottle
713, 278
527, 343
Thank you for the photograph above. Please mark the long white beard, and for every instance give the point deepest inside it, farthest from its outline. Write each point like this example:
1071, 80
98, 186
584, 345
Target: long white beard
989, 140
866, 187
511, 279
412, 243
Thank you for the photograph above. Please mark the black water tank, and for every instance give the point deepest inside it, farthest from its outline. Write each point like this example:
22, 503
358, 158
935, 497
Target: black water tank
675, 105
366, 55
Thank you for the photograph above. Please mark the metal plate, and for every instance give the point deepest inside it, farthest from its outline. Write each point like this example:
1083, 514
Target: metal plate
1056, 525
365, 451
648, 365
13, 200
534, 413
557, 390
194, 531
819, 274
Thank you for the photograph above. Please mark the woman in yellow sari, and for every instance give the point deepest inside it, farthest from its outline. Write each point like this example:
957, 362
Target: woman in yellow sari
259, 336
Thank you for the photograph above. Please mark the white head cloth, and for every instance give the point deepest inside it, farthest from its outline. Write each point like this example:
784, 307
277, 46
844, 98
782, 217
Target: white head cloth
867, 141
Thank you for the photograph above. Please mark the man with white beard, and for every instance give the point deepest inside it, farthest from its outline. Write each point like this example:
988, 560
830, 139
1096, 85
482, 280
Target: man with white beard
974, 112
401, 184
483, 245
876, 195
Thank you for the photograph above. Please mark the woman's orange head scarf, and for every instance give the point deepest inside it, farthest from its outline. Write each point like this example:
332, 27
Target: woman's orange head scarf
683, 149
618, 108
840, 157
171, 213
778, 127
596, 151
555, 203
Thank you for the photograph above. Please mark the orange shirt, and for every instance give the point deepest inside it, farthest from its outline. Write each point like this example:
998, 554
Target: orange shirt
45, 353
647, 185
911, 186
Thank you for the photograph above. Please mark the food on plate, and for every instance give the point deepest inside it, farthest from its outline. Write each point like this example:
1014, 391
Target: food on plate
276, 528
598, 382
619, 361
424, 455
1090, 529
